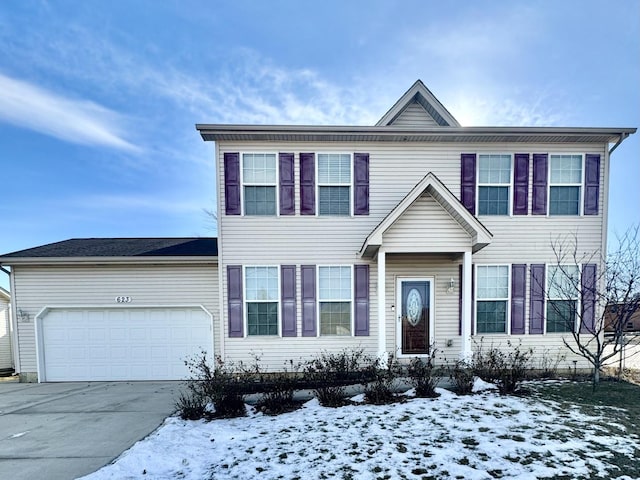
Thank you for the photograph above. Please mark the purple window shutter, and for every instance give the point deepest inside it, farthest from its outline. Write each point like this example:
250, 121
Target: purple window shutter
361, 288
307, 184
232, 183
588, 298
591, 184
468, 181
460, 299
536, 300
518, 282
521, 184
361, 183
288, 293
287, 185
234, 300
308, 279
539, 201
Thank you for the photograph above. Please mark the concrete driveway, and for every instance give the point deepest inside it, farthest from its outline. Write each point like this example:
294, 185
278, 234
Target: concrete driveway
67, 430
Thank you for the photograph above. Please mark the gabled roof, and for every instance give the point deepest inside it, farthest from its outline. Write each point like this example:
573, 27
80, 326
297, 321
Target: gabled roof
420, 94
4, 294
82, 248
480, 236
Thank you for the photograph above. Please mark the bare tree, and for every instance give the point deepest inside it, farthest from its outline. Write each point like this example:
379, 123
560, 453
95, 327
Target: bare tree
212, 217
592, 298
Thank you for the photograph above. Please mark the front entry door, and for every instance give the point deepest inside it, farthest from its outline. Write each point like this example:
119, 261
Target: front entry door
415, 316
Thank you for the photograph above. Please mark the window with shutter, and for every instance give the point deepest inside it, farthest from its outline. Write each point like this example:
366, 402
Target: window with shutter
494, 184
262, 300
565, 184
259, 179
492, 298
334, 184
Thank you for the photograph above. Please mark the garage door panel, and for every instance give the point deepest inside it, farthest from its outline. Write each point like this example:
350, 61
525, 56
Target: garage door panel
123, 343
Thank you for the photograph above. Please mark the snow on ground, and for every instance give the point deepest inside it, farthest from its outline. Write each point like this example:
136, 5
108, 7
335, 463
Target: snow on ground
481, 436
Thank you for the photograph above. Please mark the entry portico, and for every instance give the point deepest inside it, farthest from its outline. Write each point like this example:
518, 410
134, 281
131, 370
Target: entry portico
428, 231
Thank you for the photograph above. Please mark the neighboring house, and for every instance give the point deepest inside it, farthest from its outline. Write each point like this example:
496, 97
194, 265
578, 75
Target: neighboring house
6, 354
611, 319
409, 237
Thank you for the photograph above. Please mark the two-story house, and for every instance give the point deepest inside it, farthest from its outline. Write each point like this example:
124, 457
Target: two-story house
408, 237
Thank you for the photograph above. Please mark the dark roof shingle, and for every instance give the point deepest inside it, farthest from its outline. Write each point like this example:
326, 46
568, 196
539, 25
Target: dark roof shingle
123, 247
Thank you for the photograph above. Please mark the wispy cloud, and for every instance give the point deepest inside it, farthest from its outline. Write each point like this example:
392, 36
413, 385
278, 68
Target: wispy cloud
506, 108
77, 121
138, 202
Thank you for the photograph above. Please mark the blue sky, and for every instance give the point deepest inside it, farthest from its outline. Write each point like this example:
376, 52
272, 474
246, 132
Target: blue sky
98, 100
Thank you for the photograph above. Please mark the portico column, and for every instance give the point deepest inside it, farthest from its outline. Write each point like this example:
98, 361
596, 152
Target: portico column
382, 324
465, 353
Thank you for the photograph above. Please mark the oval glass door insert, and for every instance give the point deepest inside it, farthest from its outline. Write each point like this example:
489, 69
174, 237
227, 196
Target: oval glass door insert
414, 307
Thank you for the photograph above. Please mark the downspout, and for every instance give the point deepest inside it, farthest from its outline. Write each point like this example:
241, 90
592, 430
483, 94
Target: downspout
622, 138
13, 321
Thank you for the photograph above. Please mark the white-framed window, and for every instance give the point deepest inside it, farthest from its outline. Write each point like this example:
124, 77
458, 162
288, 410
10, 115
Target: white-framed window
262, 300
565, 184
335, 299
562, 298
259, 183
334, 184
494, 184
492, 298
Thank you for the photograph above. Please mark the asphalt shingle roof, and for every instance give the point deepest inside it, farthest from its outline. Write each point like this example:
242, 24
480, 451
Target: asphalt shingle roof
123, 247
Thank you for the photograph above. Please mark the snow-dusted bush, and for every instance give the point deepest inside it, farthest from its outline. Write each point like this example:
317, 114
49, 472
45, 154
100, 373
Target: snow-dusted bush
278, 391
462, 376
329, 373
380, 381
424, 376
222, 384
506, 369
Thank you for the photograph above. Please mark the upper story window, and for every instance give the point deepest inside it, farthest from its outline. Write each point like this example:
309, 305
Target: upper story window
334, 300
259, 179
494, 181
565, 184
262, 300
334, 184
562, 297
492, 293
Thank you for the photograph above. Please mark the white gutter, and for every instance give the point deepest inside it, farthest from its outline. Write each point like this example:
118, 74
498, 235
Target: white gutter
622, 138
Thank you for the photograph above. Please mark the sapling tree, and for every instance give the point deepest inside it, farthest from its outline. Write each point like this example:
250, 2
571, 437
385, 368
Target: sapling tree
580, 286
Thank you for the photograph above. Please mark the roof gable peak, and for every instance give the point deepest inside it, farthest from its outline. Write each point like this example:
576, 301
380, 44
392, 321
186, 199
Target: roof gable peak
419, 94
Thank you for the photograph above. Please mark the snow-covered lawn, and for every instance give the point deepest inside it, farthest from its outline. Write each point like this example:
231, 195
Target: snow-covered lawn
482, 436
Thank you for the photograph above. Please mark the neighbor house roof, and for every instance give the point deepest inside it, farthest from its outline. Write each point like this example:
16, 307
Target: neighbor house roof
116, 248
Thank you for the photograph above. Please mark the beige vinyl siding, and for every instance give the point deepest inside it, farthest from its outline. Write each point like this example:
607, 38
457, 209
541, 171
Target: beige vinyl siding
415, 116
6, 360
394, 170
425, 224
275, 352
37, 287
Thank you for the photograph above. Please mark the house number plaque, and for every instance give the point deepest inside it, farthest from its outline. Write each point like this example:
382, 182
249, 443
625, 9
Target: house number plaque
123, 299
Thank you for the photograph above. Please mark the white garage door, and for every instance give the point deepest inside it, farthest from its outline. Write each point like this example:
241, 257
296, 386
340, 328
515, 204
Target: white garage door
122, 343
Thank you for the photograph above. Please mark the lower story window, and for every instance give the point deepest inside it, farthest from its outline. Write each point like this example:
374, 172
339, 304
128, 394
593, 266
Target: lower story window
261, 292
562, 291
561, 316
492, 317
492, 298
335, 300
